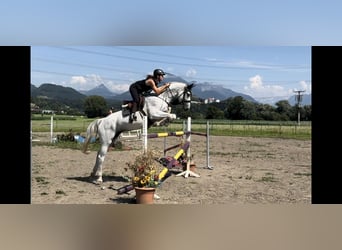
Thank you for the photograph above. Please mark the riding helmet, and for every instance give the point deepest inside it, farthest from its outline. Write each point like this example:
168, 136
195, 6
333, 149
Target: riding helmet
158, 72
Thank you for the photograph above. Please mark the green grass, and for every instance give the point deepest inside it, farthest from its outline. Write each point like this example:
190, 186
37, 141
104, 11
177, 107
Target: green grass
288, 130
60, 123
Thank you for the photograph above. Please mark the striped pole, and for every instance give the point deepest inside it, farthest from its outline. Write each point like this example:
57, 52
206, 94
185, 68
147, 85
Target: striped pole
166, 134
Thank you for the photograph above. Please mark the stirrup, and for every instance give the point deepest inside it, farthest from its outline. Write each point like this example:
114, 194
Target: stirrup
132, 117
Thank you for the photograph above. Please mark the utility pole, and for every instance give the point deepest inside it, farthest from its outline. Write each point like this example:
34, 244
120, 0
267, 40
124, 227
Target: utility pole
299, 98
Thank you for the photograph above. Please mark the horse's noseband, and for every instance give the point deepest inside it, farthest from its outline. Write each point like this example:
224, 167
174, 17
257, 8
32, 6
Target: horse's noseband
186, 93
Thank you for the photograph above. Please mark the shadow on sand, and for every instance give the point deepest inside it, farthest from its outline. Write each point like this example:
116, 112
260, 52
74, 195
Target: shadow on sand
120, 179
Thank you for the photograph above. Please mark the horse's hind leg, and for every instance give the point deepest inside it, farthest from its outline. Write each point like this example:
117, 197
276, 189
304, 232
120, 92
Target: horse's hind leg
96, 174
114, 141
106, 136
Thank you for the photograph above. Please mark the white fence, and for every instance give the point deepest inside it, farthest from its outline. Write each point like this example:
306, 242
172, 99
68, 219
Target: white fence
131, 135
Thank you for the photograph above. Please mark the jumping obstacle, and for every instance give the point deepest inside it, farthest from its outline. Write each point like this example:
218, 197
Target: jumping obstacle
187, 133
194, 133
185, 148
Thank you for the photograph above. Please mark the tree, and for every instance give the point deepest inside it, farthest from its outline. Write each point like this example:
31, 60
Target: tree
306, 115
234, 107
248, 111
283, 106
214, 112
95, 106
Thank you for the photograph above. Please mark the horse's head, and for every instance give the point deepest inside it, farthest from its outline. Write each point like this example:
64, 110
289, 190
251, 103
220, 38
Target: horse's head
187, 95
181, 94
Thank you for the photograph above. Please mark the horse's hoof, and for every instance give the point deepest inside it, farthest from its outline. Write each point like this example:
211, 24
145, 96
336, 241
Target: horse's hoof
96, 182
95, 179
165, 122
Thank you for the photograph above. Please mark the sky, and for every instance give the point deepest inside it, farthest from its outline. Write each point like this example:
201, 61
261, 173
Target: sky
155, 24
263, 72
176, 22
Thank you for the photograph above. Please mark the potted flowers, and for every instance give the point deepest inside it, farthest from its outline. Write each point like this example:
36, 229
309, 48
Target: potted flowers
146, 172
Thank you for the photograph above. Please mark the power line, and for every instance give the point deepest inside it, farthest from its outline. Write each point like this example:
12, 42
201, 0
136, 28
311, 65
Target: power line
173, 63
113, 69
69, 74
298, 96
87, 66
168, 62
227, 82
159, 54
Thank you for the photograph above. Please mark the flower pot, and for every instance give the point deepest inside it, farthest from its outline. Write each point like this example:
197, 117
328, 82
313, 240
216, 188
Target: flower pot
144, 195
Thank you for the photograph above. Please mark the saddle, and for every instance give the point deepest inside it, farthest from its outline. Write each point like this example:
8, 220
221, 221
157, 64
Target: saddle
127, 106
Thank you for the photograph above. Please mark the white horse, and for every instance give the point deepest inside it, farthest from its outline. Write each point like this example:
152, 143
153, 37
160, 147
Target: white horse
156, 108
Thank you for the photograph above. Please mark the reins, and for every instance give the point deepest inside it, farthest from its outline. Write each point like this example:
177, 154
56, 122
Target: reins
174, 97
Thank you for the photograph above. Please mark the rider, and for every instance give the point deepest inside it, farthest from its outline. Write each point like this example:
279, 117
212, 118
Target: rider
140, 87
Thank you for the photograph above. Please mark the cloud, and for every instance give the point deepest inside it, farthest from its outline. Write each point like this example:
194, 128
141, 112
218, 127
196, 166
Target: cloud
78, 80
92, 80
305, 86
256, 82
119, 88
257, 89
86, 82
191, 73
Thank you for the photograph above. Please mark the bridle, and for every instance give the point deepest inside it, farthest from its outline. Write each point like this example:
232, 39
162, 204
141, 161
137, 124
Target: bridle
174, 98
187, 94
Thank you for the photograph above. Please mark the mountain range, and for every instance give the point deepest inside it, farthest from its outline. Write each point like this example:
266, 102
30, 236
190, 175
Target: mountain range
201, 90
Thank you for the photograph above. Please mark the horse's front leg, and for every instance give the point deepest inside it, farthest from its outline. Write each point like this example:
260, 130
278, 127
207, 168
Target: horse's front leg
160, 115
96, 174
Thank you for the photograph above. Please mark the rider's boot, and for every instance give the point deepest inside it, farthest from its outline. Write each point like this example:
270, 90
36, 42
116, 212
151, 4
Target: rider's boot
133, 117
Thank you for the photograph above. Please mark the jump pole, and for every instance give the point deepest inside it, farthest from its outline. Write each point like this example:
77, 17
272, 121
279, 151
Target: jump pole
144, 134
188, 172
208, 166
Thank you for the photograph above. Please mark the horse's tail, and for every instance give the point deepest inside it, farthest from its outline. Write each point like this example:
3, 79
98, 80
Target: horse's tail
91, 132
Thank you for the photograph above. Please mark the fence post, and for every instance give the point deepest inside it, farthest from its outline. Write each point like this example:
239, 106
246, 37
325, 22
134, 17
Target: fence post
208, 166
51, 129
144, 133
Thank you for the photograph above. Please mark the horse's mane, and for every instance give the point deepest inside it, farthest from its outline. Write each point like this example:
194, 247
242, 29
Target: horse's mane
176, 85
173, 87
